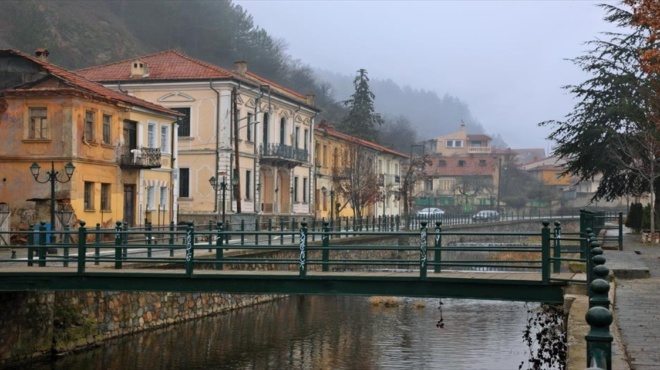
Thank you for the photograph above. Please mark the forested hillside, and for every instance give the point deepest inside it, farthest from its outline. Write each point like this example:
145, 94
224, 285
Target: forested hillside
84, 33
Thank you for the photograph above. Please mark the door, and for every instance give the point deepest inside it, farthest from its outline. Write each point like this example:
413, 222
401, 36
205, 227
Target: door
129, 204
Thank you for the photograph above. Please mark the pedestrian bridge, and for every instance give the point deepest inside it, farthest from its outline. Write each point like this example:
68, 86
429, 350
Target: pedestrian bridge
427, 262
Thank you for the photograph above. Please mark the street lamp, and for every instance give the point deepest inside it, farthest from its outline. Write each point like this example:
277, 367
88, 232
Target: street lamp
53, 176
223, 185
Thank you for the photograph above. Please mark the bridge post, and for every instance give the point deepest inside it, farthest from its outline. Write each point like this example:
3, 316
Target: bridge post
599, 317
556, 265
190, 244
281, 231
82, 247
422, 250
270, 229
124, 240
438, 244
97, 244
42, 244
118, 242
218, 250
545, 252
303, 248
242, 231
171, 241
326, 245
293, 230
620, 227
32, 241
210, 241
594, 252
66, 240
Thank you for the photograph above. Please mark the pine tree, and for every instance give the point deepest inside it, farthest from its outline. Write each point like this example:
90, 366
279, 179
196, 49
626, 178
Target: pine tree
362, 119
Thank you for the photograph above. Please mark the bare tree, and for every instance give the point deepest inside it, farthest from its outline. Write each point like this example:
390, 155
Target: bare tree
355, 180
471, 186
413, 174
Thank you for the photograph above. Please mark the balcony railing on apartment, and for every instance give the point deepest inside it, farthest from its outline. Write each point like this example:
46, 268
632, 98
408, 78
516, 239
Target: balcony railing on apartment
283, 154
479, 149
140, 157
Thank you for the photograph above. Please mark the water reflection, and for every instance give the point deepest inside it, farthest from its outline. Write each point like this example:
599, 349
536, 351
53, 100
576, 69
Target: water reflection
316, 332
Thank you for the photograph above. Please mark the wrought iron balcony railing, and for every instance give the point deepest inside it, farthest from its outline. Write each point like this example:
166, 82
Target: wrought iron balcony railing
283, 152
140, 157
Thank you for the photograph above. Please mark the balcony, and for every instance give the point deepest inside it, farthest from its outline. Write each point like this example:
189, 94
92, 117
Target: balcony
139, 158
282, 155
479, 149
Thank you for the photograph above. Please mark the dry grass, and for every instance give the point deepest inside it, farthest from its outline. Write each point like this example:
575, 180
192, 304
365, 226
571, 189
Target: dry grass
385, 301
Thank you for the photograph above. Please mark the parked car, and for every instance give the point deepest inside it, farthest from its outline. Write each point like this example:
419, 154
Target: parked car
430, 212
485, 216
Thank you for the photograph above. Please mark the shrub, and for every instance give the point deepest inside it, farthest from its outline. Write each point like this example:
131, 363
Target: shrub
634, 217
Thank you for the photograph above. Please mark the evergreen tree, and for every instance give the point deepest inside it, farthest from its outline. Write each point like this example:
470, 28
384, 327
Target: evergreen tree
362, 119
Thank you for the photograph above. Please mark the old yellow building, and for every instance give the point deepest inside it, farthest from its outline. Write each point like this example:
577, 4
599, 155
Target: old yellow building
121, 148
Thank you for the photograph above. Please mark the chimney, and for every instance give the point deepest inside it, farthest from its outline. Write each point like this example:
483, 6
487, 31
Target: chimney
41, 54
462, 126
309, 99
139, 69
240, 66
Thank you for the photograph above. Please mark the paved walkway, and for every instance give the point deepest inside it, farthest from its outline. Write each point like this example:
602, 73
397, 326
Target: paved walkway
637, 300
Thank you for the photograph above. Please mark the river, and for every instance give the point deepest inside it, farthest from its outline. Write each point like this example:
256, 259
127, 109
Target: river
326, 332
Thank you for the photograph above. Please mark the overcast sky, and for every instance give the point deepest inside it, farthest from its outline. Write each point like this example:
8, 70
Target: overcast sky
505, 59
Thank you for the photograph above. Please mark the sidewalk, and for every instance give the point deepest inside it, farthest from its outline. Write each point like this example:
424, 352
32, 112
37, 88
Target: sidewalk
636, 271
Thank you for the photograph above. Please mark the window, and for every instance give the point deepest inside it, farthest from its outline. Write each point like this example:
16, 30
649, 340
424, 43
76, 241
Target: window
38, 123
164, 139
306, 137
282, 131
380, 166
151, 198
446, 185
184, 182
304, 189
428, 185
89, 126
184, 122
89, 196
248, 131
461, 163
151, 135
442, 163
162, 204
475, 143
248, 183
324, 157
105, 197
482, 163
454, 143
296, 138
106, 129
295, 189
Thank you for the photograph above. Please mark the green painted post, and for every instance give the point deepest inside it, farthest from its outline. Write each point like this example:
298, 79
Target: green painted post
293, 230
596, 251
171, 241
599, 317
97, 243
219, 252
149, 236
326, 245
242, 231
82, 247
118, 242
67, 242
422, 250
210, 236
32, 241
190, 245
438, 245
545, 252
556, 263
124, 240
600, 287
42, 244
303, 248
270, 229
314, 229
281, 231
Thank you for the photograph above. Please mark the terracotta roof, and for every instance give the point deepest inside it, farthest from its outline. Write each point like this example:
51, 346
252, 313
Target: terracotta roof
173, 65
478, 137
330, 130
76, 82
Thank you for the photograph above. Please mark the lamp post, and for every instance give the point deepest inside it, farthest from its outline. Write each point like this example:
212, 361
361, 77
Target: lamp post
223, 185
324, 191
53, 176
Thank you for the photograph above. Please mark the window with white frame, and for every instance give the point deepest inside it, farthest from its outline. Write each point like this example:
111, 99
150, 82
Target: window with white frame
165, 139
151, 198
38, 125
248, 128
454, 143
183, 123
306, 137
248, 183
295, 189
151, 135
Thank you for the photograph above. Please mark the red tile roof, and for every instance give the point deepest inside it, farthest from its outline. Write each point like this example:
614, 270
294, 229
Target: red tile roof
73, 82
173, 65
330, 131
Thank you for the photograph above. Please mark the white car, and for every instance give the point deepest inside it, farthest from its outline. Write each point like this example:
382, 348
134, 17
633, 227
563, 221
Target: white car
430, 212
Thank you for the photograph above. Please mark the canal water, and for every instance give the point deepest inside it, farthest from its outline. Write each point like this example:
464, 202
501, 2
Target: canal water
327, 332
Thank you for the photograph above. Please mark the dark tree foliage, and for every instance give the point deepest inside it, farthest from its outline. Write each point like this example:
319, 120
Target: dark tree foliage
397, 133
634, 217
616, 102
362, 120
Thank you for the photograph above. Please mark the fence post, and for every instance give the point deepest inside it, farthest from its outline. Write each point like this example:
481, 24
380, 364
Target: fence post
293, 230
171, 241
32, 241
556, 264
218, 250
545, 252
270, 229
422, 250
599, 317
124, 240
438, 244
82, 247
325, 254
594, 252
281, 231
148, 235
620, 231
303, 248
67, 240
97, 243
42, 244
242, 231
210, 235
190, 244
118, 242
